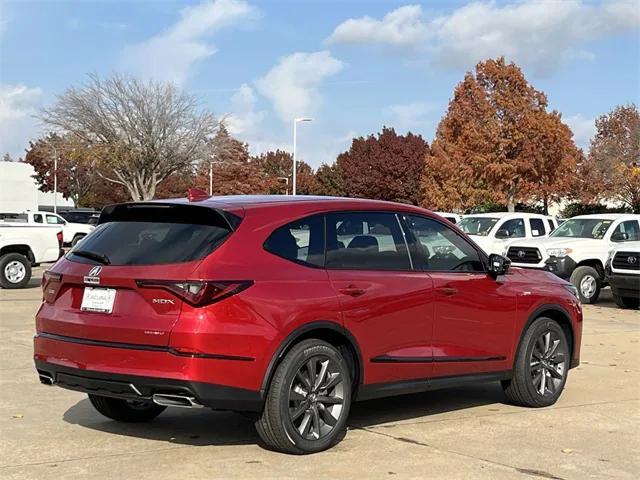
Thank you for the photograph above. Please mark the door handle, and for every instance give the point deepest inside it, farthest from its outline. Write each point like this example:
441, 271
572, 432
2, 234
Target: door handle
448, 291
352, 291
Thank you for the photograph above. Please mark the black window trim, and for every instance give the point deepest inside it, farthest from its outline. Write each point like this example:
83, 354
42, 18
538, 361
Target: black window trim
481, 254
302, 263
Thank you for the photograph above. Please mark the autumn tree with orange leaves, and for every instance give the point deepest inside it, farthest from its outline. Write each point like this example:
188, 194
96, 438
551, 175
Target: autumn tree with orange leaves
497, 143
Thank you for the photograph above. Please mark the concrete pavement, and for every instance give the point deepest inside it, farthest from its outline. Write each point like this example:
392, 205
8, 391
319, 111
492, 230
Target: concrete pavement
592, 432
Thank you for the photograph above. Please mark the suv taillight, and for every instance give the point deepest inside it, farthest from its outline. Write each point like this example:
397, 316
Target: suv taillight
198, 293
59, 235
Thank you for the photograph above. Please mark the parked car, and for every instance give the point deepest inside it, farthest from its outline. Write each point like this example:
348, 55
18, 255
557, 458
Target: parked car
88, 216
452, 217
72, 232
22, 248
293, 308
493, 231
622, 272
578, 250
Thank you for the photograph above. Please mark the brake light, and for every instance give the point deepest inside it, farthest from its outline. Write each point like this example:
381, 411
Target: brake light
59, 235
48, 277
198, 293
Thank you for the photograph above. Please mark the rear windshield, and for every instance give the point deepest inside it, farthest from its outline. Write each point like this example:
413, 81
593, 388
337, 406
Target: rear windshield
153, 236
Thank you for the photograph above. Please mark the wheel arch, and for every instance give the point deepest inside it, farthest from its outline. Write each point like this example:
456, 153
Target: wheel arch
594, 263
557, 313
330, 332
24, 250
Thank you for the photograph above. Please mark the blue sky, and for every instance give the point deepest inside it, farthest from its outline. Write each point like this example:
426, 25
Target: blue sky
353, 66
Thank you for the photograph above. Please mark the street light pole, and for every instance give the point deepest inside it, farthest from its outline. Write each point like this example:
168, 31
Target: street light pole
295, 140
55, 180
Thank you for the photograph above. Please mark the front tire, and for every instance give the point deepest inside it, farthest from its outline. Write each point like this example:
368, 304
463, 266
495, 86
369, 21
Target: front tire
308, 400
130, 411
588, 282
541, 367
76, 239
632, 303
15, 271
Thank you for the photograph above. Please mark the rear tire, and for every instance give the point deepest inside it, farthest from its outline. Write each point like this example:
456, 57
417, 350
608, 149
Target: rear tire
541, 367
15, 270
131, 411
308, 401
632, 303
588, 282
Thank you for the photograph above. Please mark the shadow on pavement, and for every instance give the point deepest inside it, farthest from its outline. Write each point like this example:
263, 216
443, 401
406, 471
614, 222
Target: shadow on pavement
205, 427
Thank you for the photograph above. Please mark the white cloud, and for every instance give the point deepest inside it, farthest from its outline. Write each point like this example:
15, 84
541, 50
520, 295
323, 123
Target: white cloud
540, 34
18, 104
171, 55
244, 120
413, 116
583, 129
292, 84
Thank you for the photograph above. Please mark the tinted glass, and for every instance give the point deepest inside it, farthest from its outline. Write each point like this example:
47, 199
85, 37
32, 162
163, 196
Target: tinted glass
436, 247
300, 241
366, 241
583, 228
515, 227
537, 227
477, 225
629, 227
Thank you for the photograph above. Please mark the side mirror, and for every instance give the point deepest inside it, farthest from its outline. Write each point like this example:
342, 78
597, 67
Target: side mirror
619, 236
498, 265
503, 233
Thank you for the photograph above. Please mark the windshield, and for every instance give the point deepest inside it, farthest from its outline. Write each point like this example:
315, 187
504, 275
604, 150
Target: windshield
594, 228
477, 225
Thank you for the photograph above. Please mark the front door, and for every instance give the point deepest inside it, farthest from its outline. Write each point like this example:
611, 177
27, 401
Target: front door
387, 305
474, 315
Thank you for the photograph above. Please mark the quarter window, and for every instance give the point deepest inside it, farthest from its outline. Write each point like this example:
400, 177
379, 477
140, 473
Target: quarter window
300, 241
537, 227
366, 241
436, 247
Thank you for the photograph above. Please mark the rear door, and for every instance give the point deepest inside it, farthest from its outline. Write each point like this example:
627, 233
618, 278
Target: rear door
387, 305
120, 283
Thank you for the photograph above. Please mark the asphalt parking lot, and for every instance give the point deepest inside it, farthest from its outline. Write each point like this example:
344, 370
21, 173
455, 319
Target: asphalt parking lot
592, 432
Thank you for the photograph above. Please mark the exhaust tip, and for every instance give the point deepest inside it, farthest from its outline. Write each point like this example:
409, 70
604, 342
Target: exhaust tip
46, 379
168, 400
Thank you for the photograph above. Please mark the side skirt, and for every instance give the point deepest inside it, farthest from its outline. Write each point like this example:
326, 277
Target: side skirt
379, 390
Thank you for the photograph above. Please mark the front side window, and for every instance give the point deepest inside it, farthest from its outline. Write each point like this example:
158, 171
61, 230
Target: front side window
594, 228
54, 220
435, 247
514, 228
537, 227
630, 227
480, 226
300, 241
552, 227
365, 241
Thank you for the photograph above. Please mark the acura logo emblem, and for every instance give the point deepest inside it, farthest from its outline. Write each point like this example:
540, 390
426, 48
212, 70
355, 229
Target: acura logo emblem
521, 253
95, 271
631, 259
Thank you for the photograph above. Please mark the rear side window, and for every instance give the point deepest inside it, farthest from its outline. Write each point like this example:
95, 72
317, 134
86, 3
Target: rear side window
537, 227
300, 241
365, 241
154, 235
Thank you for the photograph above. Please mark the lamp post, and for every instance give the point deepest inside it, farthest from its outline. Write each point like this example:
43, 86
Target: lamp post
295, 128
55, 175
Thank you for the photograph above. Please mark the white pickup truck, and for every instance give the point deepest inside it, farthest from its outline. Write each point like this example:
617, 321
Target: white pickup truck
622, 272
72, 233
578, 249
23, 247
494, 231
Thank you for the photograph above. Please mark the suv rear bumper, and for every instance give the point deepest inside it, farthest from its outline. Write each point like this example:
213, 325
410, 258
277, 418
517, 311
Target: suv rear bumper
110, 371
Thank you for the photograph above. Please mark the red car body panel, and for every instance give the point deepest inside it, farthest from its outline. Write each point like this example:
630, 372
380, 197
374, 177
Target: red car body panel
410, 325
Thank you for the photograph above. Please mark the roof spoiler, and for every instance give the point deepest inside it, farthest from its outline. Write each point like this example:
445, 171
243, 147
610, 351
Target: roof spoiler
196, 195
168, 212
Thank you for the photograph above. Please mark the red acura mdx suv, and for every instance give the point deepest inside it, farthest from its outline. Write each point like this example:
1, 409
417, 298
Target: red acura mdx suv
293, 308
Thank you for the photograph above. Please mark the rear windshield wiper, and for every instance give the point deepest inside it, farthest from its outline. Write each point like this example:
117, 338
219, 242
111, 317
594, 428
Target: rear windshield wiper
98, 257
